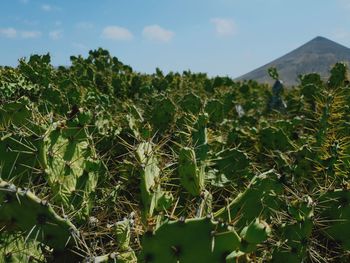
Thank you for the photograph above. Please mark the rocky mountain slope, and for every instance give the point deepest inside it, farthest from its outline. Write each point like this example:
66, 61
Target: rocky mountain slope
317, 55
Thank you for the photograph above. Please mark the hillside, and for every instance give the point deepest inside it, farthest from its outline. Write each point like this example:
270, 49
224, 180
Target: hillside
317, 55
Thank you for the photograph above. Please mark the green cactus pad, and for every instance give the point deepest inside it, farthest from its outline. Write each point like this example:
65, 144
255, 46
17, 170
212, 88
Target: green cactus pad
260, 196
191, 103
293, 239
336, 211
19, 156
200, 137
301, 210
16, 249
20, 142
215, 110
71, 165
163, 114
192, 240
16, 113
115, 257
153, 198
21, 210
274, 139
338, 75
122, 232
192, 177
232, 163
256, 232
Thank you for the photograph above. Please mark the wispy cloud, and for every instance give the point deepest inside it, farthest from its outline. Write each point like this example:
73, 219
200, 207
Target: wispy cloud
341, 34
49, 8
46, 8
24, 1
344, 3
157, 33
29, 34
56, 34
11, 32
80, 46
84, 25
116, 33
30, 22
224, 26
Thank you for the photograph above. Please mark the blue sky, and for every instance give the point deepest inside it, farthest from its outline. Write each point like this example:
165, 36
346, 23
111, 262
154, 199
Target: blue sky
219, 37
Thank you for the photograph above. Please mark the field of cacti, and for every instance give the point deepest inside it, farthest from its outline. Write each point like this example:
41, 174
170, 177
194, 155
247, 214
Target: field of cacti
99, 163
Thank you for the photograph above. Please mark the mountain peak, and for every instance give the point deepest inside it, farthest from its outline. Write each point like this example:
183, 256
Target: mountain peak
320, 38
318, 55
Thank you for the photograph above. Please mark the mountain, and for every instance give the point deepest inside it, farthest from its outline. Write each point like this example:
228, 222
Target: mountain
317, 55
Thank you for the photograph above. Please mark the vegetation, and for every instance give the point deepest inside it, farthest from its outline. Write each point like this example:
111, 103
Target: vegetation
99, 163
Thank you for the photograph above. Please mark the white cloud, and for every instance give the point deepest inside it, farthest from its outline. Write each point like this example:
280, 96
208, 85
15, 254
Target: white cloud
56, 34
46, 8
80, 46
24, 1
116, 33
224, 26
157, 33
49, 8
341, 33
30, 34
344, 3
8, 32
30, 22
84, 25
13, 33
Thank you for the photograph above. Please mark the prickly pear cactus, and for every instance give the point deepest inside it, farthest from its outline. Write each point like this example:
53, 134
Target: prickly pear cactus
15, 113
303, 164
191, 176
229, 105
135, 121
136, 151
273, 73
231, 163
16, 249
260, 198
20, 142
153, 197
14, 85
336, 210
206, 204
123, 232
163, 114
71, 165
310, 88
114, 257
254, 234
293, 244
273, 138
338, 75
293, 233
199, 136
191, 240
19, 156
21, 210
191, 103
215, 110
